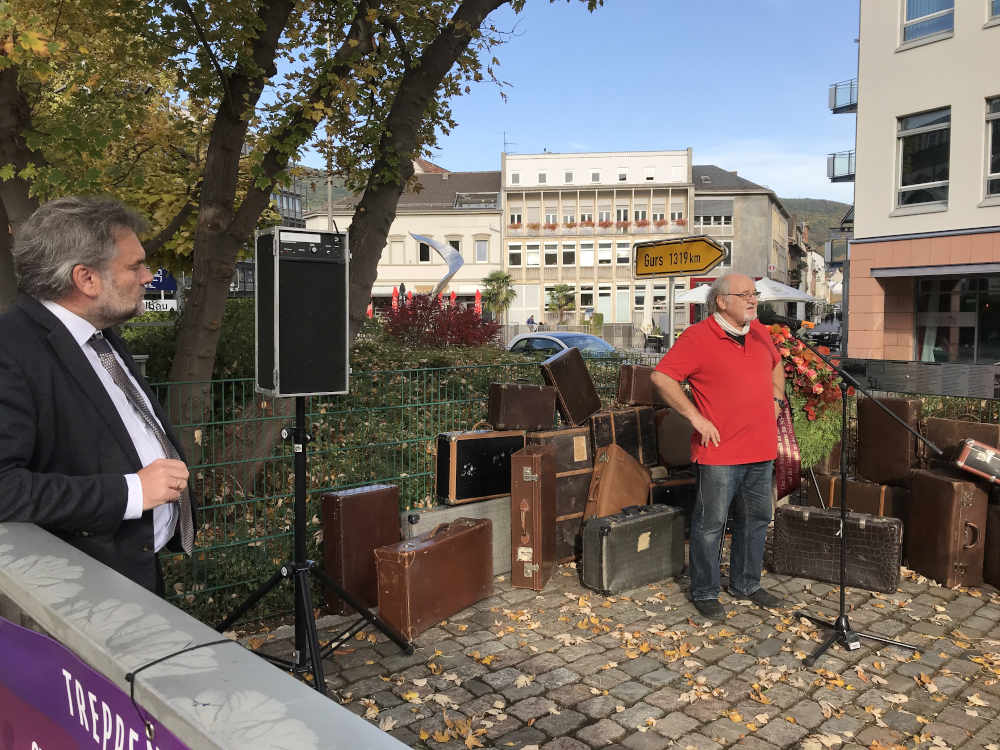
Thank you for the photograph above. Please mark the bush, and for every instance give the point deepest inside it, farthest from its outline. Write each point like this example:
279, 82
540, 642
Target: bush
425, 321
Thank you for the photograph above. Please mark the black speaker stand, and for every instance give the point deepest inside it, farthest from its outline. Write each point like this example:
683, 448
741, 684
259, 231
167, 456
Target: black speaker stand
308, 656
841, 631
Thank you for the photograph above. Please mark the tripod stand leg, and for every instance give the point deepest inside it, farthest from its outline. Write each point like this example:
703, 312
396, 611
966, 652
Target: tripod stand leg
821, 649
304, 596
255, 597
887, 641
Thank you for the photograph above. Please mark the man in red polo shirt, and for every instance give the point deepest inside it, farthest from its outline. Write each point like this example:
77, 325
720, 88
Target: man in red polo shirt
738, 383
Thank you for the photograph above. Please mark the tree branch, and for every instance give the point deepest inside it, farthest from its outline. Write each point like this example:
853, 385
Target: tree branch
154, 244
184, 8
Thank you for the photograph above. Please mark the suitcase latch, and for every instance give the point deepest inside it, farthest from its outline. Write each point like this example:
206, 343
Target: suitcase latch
530, 569
528, 474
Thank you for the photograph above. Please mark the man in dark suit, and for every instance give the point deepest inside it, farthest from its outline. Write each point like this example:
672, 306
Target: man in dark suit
85, 449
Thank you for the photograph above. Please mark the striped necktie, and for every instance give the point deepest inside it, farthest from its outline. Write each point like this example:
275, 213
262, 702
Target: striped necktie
122, 380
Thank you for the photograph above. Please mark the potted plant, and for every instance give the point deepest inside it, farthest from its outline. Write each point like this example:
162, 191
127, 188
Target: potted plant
680, 222
623, 225
550, 227
589, 224
813, 390
660, 223
604, 224
516, 225
572, 224
534, 226
643, 223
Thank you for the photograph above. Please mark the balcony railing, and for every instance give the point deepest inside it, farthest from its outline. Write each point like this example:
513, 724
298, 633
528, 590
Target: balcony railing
844, 96
840, 166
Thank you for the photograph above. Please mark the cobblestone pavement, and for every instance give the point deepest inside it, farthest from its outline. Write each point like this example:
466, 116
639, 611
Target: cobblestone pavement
568, 669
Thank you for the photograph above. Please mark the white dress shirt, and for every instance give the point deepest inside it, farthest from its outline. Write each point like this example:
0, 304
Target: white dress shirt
146, 445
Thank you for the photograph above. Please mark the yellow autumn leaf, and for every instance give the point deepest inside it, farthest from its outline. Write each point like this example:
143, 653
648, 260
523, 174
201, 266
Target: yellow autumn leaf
411, 696
423, 734
440, 736
734, 716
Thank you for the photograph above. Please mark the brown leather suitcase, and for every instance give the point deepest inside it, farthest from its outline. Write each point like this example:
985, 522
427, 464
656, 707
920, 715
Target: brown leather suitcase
991, 557
532, 516
886, 451
946, 528
806, 544
475, 465
635, 387
574, 466
979, 459
619, 482
830, 464
862, 496
427, 579
355, 522
632, 428
576, 397
673, 438
948, 434
521, 406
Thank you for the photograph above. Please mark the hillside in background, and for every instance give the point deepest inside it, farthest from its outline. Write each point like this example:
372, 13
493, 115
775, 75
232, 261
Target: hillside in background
819, 214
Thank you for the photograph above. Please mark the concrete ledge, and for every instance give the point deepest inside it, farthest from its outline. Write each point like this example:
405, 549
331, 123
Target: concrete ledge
217, 697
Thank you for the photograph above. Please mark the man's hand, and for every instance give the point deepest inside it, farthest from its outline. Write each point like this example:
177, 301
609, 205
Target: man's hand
708, 431
162, 482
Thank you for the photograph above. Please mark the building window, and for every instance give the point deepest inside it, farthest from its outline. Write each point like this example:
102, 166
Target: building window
727, 259
621, 214
515, 218
586, 216
928, 17
482, 251
551, 254
425, 252
541, 178
568, 177
649, 173
659, 295
551, 218
676, 215
515, 178
569, 254
623, 253
993, 138
639, 300
924, 142
587, 295
604, 253
957, 319
639, 215
994, 9
531, 255
514, 255
657, 216
587, 254
604, 215
457, 245
569, 219
622, 174
595, 176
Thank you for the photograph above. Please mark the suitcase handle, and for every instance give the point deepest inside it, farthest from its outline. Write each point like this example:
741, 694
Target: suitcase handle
634, 510
975, 535
481, 423
439, 529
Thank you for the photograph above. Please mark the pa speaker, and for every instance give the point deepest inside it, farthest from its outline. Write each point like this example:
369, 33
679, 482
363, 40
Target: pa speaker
303, 331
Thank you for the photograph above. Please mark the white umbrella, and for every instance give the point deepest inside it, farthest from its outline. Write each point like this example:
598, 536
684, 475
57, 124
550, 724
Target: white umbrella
696, 296
774, 291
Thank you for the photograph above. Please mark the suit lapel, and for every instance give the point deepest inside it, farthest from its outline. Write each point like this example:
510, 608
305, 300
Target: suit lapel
77, 367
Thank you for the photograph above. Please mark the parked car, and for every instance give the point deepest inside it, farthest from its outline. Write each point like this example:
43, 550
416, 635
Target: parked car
548, 343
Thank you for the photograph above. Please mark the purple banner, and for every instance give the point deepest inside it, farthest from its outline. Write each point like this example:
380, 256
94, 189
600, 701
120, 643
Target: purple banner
50, 700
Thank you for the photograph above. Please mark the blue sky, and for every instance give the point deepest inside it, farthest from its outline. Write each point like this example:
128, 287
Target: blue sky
742, 82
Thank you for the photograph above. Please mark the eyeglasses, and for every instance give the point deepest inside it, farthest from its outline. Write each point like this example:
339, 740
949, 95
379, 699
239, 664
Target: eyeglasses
745, 296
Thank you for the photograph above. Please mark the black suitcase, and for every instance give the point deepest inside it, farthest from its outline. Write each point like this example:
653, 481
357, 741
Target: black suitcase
679, 490
475, 465
640, 545
632, 428
806, 544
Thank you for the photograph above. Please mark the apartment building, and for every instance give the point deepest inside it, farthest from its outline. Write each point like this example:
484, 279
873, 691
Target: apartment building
925, 259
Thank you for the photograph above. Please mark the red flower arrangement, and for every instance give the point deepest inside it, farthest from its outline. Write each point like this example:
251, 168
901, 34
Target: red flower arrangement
550, 227
810, 377
660, 223
588, 224
516, 225
680, 222
534, 226
572, 224
622, 224
604, 224
642, 222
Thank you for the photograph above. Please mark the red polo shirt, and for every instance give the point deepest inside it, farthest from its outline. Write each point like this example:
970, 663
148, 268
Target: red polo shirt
732, 387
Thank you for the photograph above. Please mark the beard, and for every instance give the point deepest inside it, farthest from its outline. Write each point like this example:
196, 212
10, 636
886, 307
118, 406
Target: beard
117, 307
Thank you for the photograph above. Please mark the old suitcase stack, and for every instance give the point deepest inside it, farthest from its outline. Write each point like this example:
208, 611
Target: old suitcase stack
618, 482
431, 577
946, 530
632, 428
886, 451
574, 467
636, 388
475, 465
533, 517
521, 406
806, 543
576, 396
355, 522
638, 546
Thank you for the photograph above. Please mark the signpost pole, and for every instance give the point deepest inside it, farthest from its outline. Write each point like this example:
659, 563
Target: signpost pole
670, 312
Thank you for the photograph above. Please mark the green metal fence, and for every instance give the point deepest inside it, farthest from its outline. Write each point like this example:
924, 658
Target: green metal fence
382, 431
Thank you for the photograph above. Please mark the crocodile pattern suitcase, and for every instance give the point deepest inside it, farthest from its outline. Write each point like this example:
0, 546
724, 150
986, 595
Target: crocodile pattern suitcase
533, 517
574, 466
640, 545
521, 406
632, 428
946, 528
431, 577
618, 482
635, 387
806, 544
355, 522
475, 465
576, 397
886, 451
419, 521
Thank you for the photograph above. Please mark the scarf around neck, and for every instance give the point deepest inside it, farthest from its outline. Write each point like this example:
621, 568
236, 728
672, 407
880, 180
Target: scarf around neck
729, 328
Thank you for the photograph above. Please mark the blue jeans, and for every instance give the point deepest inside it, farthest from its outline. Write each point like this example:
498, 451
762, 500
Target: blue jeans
750, 485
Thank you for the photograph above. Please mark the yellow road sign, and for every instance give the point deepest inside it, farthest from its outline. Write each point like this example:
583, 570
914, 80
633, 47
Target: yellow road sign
682, 256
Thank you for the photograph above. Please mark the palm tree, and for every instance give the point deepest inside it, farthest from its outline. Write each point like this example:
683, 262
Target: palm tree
499, 294
562, 297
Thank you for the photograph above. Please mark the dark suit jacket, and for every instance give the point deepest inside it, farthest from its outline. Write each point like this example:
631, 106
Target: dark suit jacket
64, 449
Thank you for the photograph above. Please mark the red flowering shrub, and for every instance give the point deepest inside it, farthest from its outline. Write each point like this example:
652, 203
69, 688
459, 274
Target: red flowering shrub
810, 378
424, 321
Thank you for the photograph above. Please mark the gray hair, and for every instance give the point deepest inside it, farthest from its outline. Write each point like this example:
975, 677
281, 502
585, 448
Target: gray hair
719, 287
64, 233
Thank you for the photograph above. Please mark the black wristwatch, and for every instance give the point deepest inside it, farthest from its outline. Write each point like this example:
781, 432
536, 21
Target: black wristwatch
780, 402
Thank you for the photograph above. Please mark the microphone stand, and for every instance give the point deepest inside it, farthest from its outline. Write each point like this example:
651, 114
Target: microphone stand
840, 629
